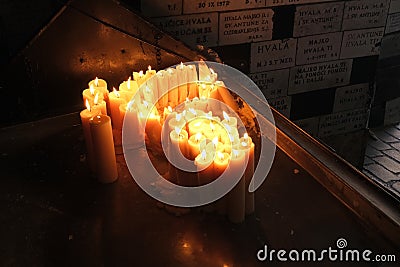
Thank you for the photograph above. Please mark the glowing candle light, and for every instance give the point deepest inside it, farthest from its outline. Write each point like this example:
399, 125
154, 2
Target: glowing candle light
246, 144
236, 197
192, 81
182, 74
204, 163
90, 93
194, 145
178, 121
178, 149
132, 125
130, 88
162, 88
231, 121
173, 91
101, 86
116, 99
99, 105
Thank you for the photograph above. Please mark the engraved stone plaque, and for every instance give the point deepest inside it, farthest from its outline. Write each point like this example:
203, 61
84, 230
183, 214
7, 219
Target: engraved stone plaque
282, 105
245, 26
310, 125
359, 43
361, 14
392, 111
272, 55
318, 48
200, 6
273, 83
394, 6
351, 97
158, 8
343, 122
319, 76
197, 29
319, 18
393, 23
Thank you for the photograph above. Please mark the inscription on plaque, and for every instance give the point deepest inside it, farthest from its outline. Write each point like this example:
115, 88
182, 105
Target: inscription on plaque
199, 6
272, 55
318, 48
319, 18
359, 43
157, 8
310, 125
273, 83
197, 29
318, 76
392, 111
343, 122
282, 105
351, 97
394, 6
393, 23
245, 26
364, 14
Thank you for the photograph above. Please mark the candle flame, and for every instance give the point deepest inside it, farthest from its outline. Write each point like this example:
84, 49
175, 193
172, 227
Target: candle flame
147, 88
96, 99
246, 136
235, 153
128, 83
212, 126
190, 67
212, 71
203, 86
226, 117
215, 141
87, 104
244, 144
96, 81
197, 137
197, 124
130, 104
181, 65
220, 155
146, 104
149, 68
209, 115
203, 154
91, 89
169, 109
170, 71
141, 74
231, 138
187, 100
228, 128
193, 111
178, 117
177, 130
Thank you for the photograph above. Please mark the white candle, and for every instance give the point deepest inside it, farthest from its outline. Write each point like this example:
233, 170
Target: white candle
162, 88
116, 99
236, 197
132, 126
246, 144
173, 93
97, 105
182, 74
103, 147
194, 145
192, 81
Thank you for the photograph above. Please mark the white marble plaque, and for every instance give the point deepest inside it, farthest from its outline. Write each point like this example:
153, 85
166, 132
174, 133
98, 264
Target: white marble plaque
319, 18
392, 111
394, 6
310, 125
351, 97
360, 43
272, 55
343, 122
318, 48
200, 6
273, 83
390, 46
319, 76
361, 14
282, 105
245, 26
196, 29
393, 23
158, 8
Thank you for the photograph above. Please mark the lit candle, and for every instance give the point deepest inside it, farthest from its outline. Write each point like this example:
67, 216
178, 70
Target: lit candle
130, 88
204, 163
99, 105
192, 81
103, 148
173, 93
179, 150
90, 93
201, 104
231, 121
86, 115
162, 88
247, 145
204, 71
139, 77
221, 162
100, 85
226, 96
213, 76
213, 146
236, 197
178, 121
195, 126
182, 74
150, 73
148, 94
194, 145
116, 99
153, 130
133, 129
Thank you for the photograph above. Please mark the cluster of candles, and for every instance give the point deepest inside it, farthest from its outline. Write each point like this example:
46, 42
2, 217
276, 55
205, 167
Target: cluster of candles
181, 111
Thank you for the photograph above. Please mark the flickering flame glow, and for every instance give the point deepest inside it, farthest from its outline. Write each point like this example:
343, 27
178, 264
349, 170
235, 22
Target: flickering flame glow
235, 153
96, 81
178, 117
91, 89
228, 128
169, 109
128, 83
87, 104
212, 126
203, 154
146, 104
226, 117
246, 136
212, 71
177, 130
96, 99
129, 106
181, 66
215, 141
116, 93
149, 68
193, 111
170, 71
244, 144
141, 74
220, 155
197, 137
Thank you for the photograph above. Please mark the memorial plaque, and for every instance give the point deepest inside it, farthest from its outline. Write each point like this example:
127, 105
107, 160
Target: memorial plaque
319, 76
392, 111
319, 18
272, 55
200, 6
393, 23
351, 97
310, 125
245, 26
364, 14
390, 46
197, 29
360, 43
318, 48
158, 8
296, 2
273, 83
282, 105
394, 6
343, 122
